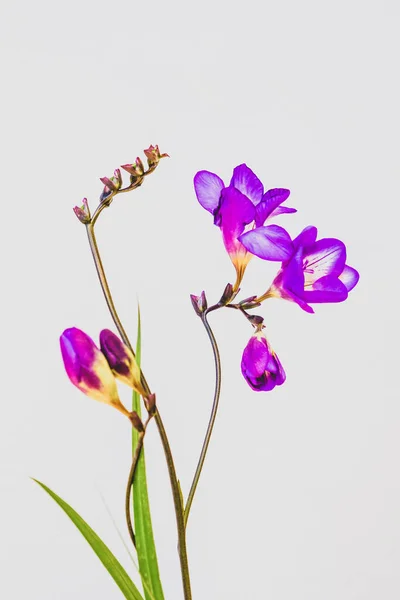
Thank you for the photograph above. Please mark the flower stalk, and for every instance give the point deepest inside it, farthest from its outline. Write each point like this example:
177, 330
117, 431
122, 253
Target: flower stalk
178, 505
214, 410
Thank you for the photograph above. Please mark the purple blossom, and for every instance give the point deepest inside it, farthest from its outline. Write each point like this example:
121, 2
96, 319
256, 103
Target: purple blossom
87, 368
241, 210
261, 367
316, 272
121, 360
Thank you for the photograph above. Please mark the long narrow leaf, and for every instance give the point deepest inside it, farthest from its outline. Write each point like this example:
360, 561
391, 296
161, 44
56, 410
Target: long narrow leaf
145, 546
108, 559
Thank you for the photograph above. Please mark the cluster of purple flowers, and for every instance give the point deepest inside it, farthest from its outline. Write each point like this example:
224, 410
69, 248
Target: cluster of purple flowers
311, 271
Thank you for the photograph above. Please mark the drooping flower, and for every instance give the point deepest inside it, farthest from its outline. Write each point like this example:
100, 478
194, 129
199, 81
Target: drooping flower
241, 210
316, 272
88, 369
121, 360
261, 367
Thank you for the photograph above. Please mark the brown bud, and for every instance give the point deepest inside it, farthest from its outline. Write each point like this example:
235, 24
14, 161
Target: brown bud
150, 403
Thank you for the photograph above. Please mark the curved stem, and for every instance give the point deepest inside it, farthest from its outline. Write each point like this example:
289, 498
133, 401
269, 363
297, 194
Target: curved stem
176, 493
129, 485
213, 415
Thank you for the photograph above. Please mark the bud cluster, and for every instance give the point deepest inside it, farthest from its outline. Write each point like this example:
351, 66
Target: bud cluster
114, 185
94, 370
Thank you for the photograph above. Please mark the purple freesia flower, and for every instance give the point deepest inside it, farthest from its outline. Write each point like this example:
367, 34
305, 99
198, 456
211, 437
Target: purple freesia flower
261, 367
88, 369
316, 272
241, 210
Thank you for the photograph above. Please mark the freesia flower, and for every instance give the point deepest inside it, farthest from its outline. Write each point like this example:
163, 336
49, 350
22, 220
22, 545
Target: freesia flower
261, 367
316, 272
88, 369
241, 210
121, 360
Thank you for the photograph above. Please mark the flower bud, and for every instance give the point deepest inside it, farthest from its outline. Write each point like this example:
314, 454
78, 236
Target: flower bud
88, 369
199, 303
121, 360
153, 156
111, 185
227, 295
150, 404
83, 212
261, 367
136, 170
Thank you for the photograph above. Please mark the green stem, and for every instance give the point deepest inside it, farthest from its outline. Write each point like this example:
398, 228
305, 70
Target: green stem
157, 417
129, 485
213, 415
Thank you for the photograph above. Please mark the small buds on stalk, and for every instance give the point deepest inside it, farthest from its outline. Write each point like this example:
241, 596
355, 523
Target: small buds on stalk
153, 156
111, 185
88, 369
199, 303
121, 360
83, 212
136, 171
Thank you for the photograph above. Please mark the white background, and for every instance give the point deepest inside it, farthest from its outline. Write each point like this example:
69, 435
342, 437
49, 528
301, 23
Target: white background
300, 496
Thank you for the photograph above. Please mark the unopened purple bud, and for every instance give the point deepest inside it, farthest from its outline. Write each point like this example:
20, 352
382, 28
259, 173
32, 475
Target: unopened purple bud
260, 365
150, 403
87, 368
199, 303
121, 360
227, 295
83, 212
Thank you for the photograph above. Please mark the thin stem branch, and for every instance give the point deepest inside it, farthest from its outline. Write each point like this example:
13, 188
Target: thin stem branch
176, 493
213, 415
129, 485
131, 479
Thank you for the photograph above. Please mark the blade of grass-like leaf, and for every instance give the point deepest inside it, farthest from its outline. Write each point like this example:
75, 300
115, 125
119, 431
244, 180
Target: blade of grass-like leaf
108, 559
145, 546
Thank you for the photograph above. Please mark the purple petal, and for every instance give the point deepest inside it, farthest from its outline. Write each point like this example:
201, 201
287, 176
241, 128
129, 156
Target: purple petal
208, 187
244, 180
271, 200
260, 367
324, 257
349, 277
289, 283
306, 237
326, 289
255, 357
270, 243
281, 210
236, 211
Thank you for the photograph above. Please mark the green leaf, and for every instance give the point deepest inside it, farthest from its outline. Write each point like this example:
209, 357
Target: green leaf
145, 546
108, 559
